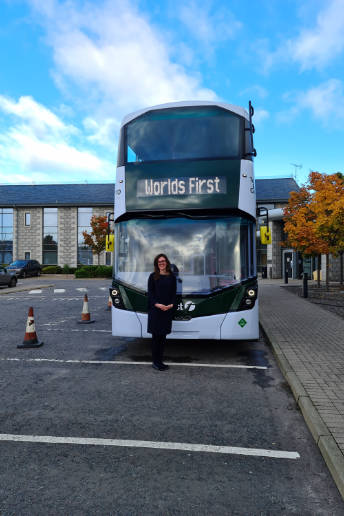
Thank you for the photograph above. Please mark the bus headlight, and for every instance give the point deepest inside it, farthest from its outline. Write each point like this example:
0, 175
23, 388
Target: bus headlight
116, 297
249, 298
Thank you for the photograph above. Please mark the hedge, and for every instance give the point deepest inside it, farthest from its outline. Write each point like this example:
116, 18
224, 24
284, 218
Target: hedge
52, 269
66, 269
94, 271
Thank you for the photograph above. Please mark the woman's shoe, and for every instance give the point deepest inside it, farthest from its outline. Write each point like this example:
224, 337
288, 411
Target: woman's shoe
158, 367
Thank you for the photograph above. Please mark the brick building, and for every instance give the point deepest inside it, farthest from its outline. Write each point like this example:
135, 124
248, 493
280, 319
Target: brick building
274, 258
45, 223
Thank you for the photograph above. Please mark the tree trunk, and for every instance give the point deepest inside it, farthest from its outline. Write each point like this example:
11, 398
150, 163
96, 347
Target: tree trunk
318, 272
327, 271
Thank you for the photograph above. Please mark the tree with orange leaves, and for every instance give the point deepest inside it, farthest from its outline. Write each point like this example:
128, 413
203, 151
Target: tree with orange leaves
96, 240
328, 200
314, 217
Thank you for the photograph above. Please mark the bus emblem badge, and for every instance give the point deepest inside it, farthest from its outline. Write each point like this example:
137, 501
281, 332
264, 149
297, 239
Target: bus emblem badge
242, 322
189, 306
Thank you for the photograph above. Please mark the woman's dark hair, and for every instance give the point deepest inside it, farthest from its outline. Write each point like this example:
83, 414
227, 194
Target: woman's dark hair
156, 266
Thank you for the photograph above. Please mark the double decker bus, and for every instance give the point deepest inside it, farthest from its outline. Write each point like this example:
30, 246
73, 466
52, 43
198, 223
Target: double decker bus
185, 187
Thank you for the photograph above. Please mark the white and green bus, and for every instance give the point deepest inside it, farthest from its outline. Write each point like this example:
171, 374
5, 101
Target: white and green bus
185, 187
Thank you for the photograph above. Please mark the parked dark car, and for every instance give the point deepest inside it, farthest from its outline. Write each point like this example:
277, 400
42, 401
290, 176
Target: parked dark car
24, 268
7, 278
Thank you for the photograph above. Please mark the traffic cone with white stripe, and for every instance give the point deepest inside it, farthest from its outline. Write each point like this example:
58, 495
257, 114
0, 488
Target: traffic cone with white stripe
30, 338
85, 314
109, 304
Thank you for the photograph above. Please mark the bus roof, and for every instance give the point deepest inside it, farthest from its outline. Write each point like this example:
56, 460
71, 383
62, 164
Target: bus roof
230, 107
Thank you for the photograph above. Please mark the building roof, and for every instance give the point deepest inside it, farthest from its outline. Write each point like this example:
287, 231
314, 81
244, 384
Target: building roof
272, 190
57, 195
275, 190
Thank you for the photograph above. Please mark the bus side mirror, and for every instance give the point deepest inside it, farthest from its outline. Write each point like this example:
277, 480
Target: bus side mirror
265, 235
110, 242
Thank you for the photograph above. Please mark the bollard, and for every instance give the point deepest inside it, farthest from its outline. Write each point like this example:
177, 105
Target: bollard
305, 285
286, 276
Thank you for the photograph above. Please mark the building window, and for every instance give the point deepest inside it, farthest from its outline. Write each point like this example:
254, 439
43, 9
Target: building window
50, 236
27, 219
108, 258
27, 255
85, 255
6, 235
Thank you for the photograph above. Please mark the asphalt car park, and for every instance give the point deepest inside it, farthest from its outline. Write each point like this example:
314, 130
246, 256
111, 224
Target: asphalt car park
88, 427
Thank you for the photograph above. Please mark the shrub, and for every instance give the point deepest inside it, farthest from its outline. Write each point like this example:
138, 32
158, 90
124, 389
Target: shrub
94, 271
104, 271
66, 269
86, 271
52, 269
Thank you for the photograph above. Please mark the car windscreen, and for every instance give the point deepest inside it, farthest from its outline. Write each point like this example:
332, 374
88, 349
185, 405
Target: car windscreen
18, 263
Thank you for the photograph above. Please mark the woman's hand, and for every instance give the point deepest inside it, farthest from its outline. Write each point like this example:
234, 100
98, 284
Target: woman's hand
162, 307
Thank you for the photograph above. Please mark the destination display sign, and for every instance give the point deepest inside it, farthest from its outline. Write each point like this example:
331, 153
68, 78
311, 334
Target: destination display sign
181, 186
192, 184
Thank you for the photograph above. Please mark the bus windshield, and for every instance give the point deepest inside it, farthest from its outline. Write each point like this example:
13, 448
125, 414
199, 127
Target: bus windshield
207, 254
184, 133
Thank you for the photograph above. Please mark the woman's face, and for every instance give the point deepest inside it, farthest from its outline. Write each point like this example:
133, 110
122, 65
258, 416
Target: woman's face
162, 264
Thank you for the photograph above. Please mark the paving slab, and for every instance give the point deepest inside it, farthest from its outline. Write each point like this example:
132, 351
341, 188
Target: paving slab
308, 343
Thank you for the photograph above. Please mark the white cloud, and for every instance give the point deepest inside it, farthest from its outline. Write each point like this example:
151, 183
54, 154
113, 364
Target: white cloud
314, 46
260, 115
58, 156
102, 132
113, 53
317, 46
208, 24
40, 119
325, 101
256, 91
34, 142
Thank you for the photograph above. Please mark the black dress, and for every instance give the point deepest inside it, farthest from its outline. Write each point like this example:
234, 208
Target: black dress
163, 290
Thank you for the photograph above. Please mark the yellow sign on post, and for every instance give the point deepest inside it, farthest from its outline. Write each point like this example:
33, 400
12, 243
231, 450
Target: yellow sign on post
265, 235
110, 242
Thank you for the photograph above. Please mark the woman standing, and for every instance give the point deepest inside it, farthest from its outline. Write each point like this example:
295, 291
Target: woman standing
162, 286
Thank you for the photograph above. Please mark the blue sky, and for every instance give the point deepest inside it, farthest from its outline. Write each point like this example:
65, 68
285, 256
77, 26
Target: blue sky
70, 70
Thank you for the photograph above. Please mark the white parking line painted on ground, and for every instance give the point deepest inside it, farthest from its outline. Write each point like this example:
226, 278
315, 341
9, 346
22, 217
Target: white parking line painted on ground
103, 288
82, 289
59, 290
96, 331
209, 448
124, 362
35, 292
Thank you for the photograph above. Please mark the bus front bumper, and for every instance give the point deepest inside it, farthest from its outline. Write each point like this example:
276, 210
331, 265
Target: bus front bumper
231, 326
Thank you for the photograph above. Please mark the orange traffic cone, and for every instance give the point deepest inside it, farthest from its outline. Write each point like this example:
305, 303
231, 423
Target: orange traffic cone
85, 314
109, 304
30, 338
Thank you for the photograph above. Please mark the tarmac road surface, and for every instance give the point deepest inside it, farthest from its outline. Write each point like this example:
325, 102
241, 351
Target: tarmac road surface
88, 427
